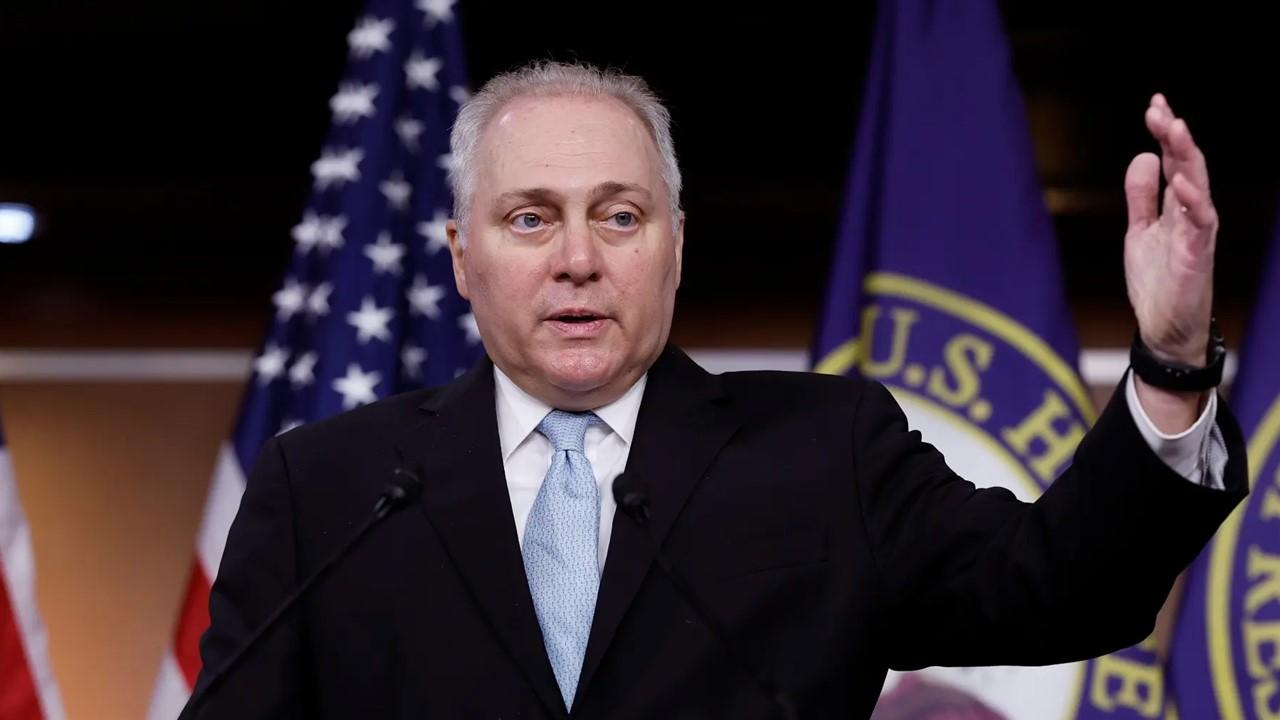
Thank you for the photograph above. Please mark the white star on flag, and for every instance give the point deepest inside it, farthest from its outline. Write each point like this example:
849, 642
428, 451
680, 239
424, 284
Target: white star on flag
302, 373
425, 299
421, 72
337, 167
411, 359
308, 232
385, 255
322, 231
352, 102
270, 364
357, 387
446, 162
459, 94
289, 299
436, 10
331, 233
409, 129
397, 191
370, 321
436, 231
468, 325
318, 303
370, 35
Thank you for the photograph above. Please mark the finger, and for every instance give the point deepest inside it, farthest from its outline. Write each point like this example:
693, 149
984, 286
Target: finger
1160, 121
1157, 119
1178, 150
1141, 190
1161, 105
1190, 161
1199, 207
1171, 214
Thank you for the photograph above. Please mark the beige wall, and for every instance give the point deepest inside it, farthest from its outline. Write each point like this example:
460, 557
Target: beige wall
113, 477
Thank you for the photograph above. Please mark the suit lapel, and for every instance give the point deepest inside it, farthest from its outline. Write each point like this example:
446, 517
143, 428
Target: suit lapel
467, 502
684, 421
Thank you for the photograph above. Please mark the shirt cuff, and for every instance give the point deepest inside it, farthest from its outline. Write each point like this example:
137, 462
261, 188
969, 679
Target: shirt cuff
1187, 453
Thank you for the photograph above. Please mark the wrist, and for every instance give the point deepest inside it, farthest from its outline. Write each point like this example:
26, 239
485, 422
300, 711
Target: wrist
1183, 369
1192, 353
1171, 411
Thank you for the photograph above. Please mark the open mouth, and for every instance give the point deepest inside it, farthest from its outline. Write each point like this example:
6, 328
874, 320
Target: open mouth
577, 318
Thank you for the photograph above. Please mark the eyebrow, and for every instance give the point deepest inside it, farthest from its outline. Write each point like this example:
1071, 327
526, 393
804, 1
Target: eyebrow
548, 196
611, 188
533, 195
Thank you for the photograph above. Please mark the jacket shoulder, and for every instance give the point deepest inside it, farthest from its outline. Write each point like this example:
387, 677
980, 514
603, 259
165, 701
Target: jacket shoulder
776, 389
375, 420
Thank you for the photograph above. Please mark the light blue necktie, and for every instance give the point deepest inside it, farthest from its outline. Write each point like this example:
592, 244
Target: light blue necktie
561, 543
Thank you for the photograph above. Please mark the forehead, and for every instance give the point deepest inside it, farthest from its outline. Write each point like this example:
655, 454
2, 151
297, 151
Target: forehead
566, 143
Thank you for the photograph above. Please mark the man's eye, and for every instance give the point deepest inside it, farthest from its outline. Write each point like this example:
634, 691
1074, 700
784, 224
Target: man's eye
624, 219
528, 221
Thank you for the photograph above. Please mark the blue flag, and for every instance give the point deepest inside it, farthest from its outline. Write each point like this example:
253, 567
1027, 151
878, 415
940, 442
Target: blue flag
945, 287
1226, 652
367, 307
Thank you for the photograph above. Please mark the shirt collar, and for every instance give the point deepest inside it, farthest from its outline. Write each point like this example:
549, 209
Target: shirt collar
519, 412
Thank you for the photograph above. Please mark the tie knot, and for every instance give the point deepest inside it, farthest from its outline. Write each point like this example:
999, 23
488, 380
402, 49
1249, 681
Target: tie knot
567, 430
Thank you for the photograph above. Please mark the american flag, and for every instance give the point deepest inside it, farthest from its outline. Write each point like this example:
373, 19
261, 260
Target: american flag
27, 688
368, 306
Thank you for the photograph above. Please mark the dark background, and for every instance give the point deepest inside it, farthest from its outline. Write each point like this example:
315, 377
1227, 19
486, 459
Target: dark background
167, 147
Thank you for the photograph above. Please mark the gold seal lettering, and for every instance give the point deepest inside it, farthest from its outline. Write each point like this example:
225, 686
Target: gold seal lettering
903, 319
1141, 686
965, 356
1058, 446
1264, 573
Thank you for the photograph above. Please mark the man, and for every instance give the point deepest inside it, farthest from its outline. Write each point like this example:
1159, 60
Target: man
826, 541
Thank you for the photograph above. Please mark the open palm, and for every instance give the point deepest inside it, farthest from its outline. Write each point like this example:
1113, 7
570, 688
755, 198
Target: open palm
1169, 246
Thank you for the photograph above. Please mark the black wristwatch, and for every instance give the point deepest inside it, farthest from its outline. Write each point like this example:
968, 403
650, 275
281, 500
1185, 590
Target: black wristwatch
1176, 376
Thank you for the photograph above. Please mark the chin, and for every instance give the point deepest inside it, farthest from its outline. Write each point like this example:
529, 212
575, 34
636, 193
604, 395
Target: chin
582, 369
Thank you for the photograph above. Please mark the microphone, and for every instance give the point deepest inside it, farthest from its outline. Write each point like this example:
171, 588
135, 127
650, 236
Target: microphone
405, 487
633, 500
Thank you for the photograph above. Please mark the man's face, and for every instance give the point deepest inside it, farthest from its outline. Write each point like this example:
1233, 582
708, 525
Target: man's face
571, 262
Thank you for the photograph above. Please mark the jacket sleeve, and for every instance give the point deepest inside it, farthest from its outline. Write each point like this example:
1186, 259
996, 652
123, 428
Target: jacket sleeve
969, 576
258, 570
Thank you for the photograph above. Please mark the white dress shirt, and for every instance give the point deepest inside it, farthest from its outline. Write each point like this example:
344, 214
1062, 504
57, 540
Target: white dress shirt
1198, 454
526, 454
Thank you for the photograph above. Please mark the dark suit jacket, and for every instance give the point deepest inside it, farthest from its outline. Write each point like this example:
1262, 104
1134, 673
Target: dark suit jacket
831, 541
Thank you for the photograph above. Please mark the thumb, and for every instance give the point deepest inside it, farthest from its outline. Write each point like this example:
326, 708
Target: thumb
1142, 189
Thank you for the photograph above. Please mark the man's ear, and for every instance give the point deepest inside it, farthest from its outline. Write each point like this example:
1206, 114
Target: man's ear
679, 248
458, 251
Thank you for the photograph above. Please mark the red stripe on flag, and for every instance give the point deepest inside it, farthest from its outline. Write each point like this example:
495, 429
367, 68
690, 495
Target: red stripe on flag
191, 624
18, 699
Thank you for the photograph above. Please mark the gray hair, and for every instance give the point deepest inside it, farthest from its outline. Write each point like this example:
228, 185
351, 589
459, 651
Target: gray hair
548, 79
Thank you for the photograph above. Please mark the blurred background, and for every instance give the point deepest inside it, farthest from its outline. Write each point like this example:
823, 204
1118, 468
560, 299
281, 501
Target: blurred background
166, 147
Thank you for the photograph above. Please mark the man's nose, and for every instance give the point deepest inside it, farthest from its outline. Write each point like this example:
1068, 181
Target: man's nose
578, 259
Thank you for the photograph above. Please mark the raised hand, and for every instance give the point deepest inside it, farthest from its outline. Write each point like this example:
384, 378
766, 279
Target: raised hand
1168, 259
1169, 246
